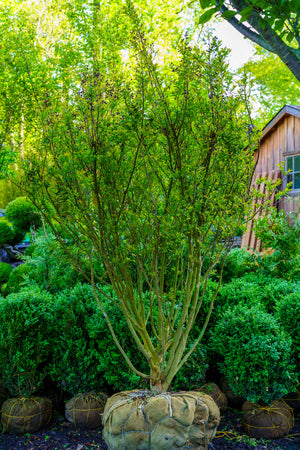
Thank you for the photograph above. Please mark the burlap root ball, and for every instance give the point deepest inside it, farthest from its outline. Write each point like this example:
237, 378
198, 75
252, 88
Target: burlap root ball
268, 421
138, 420
25, 415
215, 392
85, 410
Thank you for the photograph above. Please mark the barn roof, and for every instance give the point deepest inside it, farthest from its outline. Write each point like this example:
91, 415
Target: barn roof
287, 110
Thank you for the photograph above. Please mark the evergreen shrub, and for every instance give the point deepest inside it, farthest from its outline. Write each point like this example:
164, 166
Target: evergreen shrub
25, 339
18, 277
5, 270
237, 263
6, 233
288, 313
256, 353
84, 355
23, 214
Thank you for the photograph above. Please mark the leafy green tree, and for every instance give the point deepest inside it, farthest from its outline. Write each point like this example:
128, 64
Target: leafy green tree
149, 172
274, 25
273, 83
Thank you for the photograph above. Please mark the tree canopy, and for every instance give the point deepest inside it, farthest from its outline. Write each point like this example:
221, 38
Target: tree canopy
274, 25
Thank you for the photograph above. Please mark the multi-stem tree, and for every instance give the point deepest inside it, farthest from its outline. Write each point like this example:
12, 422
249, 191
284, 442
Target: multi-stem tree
149, 173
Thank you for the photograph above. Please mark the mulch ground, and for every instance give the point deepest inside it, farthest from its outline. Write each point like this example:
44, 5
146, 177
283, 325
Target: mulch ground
62, 435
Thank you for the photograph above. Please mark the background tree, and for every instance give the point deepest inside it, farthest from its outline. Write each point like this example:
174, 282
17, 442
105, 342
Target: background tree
274, 25
273, 85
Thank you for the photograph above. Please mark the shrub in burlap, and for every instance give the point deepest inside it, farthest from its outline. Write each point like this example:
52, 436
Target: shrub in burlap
25, 415
268, 421
232, 397
85, 410
293, 400
215, 392
138, 420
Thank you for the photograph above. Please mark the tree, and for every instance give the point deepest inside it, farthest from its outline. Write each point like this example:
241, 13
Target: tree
142, 164
273, 83
273, 25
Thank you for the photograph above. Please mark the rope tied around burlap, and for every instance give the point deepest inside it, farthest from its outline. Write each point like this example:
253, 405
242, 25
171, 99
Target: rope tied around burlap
140, 419
268, 421
19, 414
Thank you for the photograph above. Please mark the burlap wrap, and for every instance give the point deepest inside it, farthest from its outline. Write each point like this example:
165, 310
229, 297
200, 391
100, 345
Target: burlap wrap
138, 420
85, 410
268, 422
25, 415
215, 392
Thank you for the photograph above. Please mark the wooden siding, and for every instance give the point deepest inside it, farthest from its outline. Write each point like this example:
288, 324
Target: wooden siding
249, 240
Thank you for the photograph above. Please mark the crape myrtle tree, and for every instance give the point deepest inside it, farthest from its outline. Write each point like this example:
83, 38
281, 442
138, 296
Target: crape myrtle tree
147, 169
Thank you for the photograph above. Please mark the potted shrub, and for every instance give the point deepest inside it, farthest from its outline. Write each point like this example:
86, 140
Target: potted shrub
148, 173
25, 346
257, 363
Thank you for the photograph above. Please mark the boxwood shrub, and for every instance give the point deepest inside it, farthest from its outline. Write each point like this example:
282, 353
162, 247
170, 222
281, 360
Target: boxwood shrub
288, 313
256, 354
84, 355
25, 339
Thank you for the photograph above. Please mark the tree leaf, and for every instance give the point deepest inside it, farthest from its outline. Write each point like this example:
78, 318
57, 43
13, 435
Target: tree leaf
246, 13
228, 14
207, 15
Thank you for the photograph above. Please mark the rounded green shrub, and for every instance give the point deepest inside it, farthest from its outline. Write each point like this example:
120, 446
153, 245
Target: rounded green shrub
23, 214
18, 277
237, 263
256, 354
84, 356
288, 313
25, 339
5, 270
6, 233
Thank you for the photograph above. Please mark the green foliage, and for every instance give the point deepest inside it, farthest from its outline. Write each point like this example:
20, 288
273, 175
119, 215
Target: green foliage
273, 25
19, 276
288, 313
147, 190
237, 263
255, 288
192, 374
25, 339
5, 270
282, 235
50, 268
273, 83
256, 354
22, 214
6, 233
84, 358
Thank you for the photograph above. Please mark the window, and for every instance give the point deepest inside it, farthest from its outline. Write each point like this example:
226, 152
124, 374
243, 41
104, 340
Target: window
293, 166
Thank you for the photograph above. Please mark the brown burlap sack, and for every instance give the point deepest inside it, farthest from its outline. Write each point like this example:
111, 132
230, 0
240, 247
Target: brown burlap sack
293, 400
138, 420
215, 392
85, 410
25, 415
268, 422
232, 397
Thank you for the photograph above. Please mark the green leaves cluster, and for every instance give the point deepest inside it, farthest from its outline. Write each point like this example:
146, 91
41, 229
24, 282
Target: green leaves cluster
273, 25
256, 354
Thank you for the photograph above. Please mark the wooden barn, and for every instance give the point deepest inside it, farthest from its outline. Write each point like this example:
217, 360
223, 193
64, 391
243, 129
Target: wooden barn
280, 142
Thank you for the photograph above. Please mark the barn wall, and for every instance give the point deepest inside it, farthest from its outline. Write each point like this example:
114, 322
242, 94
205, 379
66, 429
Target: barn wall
283, 140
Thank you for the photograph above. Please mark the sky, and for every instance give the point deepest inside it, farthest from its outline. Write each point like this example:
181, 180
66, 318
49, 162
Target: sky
241, 48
